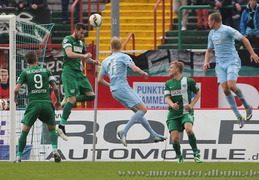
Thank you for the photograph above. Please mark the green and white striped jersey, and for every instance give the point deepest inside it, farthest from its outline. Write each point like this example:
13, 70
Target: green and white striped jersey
180, 91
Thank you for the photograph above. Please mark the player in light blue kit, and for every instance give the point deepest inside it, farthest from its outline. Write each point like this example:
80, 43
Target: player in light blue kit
115, 66
222, 39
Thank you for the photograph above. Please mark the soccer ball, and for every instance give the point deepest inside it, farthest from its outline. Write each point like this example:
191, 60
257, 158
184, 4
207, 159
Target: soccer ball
96, 20
3, 104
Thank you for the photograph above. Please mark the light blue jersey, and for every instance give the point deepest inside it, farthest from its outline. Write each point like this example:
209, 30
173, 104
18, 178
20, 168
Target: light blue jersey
115, 66
223, 41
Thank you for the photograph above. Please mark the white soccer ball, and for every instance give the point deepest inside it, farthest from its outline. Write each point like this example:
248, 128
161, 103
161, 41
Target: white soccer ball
96, 20
3, 104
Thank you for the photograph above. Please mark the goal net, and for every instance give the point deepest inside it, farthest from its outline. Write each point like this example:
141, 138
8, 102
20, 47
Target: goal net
16, 39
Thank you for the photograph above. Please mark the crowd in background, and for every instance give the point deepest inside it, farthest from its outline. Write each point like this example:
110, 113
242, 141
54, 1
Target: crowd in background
244, 19
230, 16
19, 5
23, 4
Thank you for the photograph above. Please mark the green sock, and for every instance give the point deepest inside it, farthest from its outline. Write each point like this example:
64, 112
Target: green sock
63, 121
66, 112
177, 149
192, 142
83, 98
53, 138
22, 142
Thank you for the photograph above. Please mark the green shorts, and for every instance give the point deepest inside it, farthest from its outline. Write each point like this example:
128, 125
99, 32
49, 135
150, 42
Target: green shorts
75, 83
177, 123
42, 110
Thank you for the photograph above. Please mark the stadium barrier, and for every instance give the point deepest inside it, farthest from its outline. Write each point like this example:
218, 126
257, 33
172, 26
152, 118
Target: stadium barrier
218, 136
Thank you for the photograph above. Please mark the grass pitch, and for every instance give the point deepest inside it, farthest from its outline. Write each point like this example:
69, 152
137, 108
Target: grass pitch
128, 170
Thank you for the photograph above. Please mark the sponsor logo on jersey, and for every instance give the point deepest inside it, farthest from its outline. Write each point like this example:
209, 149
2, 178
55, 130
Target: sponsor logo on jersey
78, 49
176, 93
72, 90
218, 41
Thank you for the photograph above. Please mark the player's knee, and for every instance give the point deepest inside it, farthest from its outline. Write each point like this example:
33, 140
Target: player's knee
188, 131
175, 139
227, 91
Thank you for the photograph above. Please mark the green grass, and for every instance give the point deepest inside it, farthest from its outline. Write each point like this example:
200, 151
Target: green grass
109, 170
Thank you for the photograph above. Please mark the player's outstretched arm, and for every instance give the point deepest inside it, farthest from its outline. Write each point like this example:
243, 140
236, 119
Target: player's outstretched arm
71, 54
92, 61
136, 69
253, 57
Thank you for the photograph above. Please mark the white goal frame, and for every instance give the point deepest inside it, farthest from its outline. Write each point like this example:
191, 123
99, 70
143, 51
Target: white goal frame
11, 19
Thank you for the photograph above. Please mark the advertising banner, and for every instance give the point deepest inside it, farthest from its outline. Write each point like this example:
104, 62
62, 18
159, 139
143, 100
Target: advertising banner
218, 137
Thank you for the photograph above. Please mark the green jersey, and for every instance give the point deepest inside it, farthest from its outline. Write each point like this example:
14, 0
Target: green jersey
77, 47
37, 79
180, 91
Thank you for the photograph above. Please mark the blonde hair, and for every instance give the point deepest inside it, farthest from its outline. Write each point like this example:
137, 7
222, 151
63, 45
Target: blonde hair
179, 65
216, 17
116, 43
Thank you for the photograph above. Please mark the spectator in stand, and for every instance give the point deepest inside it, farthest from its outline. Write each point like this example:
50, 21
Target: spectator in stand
202, 13
19, 4
176, 5
4, 3
38, 4
237, 12
249, 24
226, 13
65, 16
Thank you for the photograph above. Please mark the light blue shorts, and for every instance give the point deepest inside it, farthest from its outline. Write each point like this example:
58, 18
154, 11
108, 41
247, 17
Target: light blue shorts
127, 97
226, 71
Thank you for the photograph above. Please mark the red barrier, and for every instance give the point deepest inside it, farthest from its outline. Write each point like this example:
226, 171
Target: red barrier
209, 91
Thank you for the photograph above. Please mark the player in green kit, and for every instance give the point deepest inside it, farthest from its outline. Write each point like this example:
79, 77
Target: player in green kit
76, 86
40, 105
178, 96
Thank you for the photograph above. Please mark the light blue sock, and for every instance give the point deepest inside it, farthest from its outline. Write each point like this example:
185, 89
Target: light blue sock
135, 118
144, 122
233, 105
241, 97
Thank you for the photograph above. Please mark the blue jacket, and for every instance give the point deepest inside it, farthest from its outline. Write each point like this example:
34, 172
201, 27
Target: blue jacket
245, 16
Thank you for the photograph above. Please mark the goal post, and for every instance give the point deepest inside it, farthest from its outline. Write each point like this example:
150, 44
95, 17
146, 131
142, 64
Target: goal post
11, 20
12, 79
17, 37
